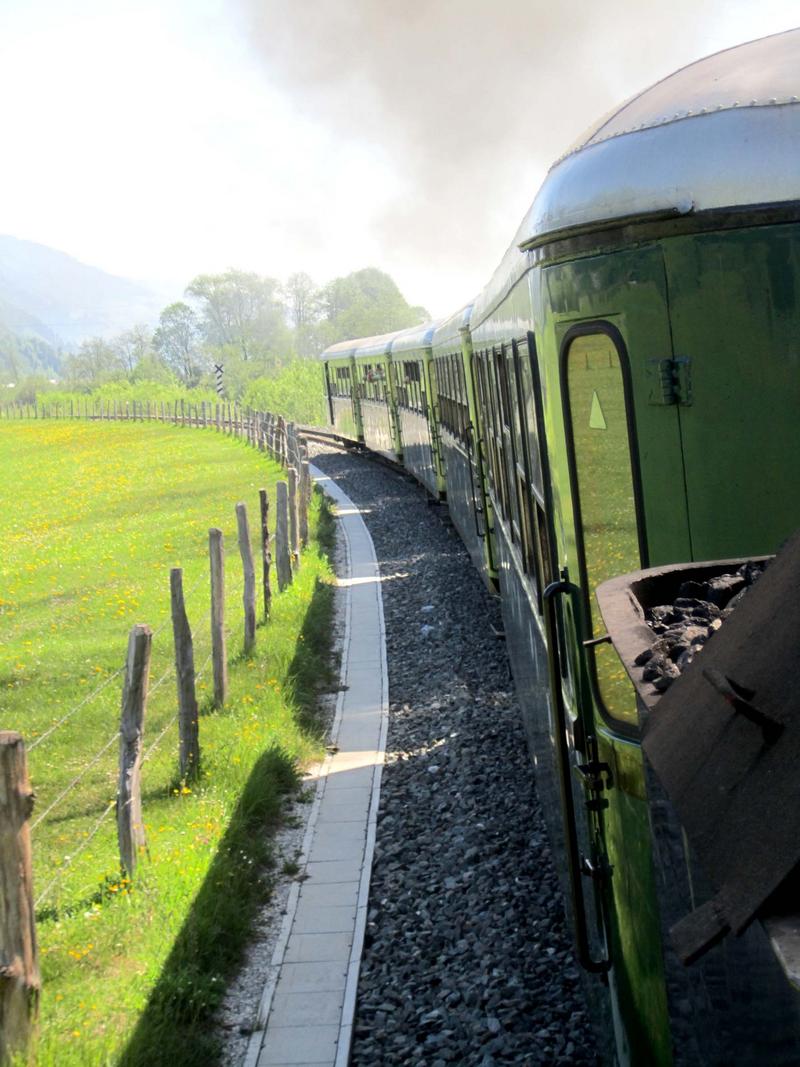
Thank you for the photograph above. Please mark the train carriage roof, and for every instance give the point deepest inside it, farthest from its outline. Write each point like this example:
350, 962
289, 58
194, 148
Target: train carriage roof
375, 347
414, 337
360, 346
723, 132
449, 330
341, 350
720, 133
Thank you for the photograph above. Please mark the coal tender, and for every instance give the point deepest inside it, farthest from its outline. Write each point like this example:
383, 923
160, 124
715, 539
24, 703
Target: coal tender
713, 651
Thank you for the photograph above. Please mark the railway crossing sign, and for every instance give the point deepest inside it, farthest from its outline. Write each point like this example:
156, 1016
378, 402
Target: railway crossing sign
218, 376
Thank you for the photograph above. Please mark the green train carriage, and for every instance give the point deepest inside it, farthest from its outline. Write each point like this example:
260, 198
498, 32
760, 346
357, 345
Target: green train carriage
652, 297
461, 440
374, 391
344, 412
417, 406
631, 370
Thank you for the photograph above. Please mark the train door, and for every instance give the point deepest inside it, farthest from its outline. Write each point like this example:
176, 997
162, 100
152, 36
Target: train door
621, 506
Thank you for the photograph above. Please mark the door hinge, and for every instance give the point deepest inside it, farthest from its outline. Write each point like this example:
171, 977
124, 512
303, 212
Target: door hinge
670, 381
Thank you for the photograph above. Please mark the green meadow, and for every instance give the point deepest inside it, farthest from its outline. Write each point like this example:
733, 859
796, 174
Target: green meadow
93, 517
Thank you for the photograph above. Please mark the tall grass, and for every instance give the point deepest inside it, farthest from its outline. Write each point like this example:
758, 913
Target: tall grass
93, 517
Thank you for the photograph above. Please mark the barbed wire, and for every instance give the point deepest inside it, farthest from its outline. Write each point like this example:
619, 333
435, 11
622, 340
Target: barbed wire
158, 740
79, 777
43, 895
120, 670
76, 709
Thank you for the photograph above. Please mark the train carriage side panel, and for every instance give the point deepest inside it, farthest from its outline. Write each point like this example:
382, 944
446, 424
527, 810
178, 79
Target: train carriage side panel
735, 312
376, 396
416, 406
460, 434
343, 407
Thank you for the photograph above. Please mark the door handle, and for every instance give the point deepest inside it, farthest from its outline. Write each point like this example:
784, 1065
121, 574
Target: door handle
575, 861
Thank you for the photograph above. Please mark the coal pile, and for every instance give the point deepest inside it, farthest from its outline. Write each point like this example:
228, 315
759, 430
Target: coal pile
683, 627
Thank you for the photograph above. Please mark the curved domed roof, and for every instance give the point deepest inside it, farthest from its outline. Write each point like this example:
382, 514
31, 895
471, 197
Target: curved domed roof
721, 132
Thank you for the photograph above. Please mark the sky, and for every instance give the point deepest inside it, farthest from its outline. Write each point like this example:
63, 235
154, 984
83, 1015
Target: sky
159, 139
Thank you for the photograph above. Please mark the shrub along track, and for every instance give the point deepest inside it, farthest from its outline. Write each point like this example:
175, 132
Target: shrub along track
467, 957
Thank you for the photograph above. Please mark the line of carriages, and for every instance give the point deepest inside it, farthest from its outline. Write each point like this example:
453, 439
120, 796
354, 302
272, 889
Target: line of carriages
623, 394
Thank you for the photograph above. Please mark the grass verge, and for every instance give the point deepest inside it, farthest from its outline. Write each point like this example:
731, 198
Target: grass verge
132, 972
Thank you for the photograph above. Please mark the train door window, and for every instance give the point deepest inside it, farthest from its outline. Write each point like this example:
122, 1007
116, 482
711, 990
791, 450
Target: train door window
423, 389
493, 432
342, 385
411, 375
447, 410
522, 463
461, 392
479, 369
456, 414
512, 504
604, 471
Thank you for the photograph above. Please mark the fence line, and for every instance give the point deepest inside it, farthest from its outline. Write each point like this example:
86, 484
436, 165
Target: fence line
73, 711
268, 433
78, 778
73, 856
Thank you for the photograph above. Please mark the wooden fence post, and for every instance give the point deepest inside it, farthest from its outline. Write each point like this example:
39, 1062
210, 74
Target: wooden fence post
282, 447
130, 828
294, 532
188, 724
266, 557
218, 653
291, 450
283, 562
19, 977
304, 499
249, 591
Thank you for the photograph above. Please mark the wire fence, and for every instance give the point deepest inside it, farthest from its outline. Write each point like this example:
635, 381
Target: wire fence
270, 434
266, 432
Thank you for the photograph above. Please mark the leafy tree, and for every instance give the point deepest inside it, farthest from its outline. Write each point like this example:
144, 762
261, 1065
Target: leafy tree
243, 310
296, 391
364, 303
132, 346
304, 305
177, 341
95, 362
22, 354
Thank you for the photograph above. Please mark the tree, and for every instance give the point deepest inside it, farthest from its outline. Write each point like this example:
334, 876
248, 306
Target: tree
364, 303
177, 341
304, 304
241, 309
95, 362
133, 346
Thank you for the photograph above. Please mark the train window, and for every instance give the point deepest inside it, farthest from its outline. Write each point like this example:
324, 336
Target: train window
604, 473
522, 461
341, 385
479, 362
512, 507
411, 379
461, 393
528, 405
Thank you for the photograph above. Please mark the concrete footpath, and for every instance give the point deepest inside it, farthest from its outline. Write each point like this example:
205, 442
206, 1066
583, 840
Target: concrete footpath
307, 1009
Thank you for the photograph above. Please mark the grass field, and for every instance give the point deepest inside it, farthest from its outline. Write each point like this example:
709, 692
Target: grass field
93, 517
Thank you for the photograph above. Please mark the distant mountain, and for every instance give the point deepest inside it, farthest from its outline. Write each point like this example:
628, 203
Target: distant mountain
52, 296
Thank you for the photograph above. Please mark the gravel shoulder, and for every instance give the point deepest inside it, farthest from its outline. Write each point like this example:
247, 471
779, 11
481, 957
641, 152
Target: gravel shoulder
467, 957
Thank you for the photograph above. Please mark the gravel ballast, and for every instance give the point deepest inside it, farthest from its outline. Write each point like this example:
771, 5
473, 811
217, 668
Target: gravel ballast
467, 957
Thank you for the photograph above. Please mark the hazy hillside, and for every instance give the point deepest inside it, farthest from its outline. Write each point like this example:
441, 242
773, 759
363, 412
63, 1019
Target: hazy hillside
50, 295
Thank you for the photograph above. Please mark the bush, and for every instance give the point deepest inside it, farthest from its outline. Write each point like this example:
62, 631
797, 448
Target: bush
297, 392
